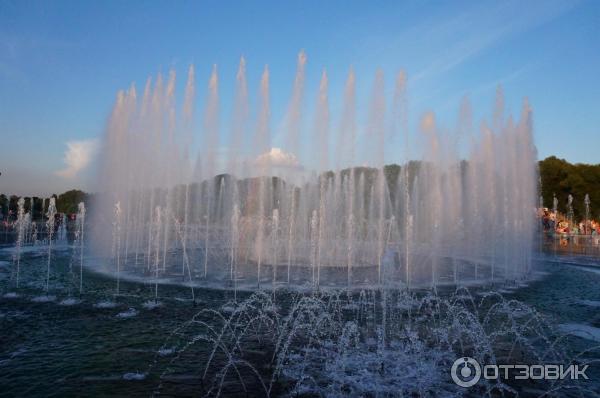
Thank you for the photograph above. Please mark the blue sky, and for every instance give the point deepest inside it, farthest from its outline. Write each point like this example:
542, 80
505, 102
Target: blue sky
61, 63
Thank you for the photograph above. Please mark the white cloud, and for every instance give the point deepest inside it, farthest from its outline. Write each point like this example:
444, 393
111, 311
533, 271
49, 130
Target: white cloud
78, 156
276, 157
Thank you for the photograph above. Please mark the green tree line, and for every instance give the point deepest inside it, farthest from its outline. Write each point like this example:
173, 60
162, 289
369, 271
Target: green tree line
66, 202
561, 178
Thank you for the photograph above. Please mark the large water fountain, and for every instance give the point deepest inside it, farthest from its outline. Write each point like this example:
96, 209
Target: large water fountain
246, 214
284, 222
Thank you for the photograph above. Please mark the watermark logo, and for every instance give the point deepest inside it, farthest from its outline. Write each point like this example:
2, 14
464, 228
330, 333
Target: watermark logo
466, 372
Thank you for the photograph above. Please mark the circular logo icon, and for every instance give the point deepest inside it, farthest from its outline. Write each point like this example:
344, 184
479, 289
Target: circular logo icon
465, 372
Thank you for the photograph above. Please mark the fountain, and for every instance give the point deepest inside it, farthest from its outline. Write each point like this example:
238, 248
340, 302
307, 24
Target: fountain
80, 239
50, 237
586, 203
333, 344
157, 228
239, 217
570, 212
50, 230
22, 223
116, 248
367, 264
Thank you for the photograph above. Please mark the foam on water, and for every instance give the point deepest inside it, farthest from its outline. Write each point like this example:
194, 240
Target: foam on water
43, 299
105, 304
163, 352
70, 301
129, 313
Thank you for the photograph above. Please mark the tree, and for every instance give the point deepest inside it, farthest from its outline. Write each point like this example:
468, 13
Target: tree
563, 179
67, 202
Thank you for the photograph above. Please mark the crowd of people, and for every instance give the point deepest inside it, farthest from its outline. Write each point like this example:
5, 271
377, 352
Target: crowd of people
560, 225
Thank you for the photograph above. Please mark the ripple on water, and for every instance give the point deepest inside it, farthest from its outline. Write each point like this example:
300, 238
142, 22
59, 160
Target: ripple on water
134, 376
14, 315
105, 304
43, 299
11, 295
12, 355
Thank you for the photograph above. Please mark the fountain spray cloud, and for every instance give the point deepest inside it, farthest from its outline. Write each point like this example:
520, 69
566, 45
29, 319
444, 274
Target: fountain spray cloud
242, 215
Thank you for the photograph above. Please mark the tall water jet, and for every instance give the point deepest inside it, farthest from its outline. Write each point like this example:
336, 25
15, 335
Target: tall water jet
239, 122
171, 154
291, 232
62, 230
376, 134
188, 126
274, 243
541, 216
117, 243
321, 124
554, 212
321, 227
295, 108
347, 137
314, 242
235, 238
80, 239
570, 213
263, 185
21, 226
188, 116
157, 227
400, 113
430, 172
211, 143
586, 203
347, 129
555, 223
185, 257
51, 214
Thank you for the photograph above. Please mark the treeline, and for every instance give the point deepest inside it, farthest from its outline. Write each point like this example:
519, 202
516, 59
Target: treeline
563, 178
557, 176
66, 202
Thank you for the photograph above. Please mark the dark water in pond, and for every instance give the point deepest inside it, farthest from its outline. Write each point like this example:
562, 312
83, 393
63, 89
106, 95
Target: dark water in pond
49, 349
